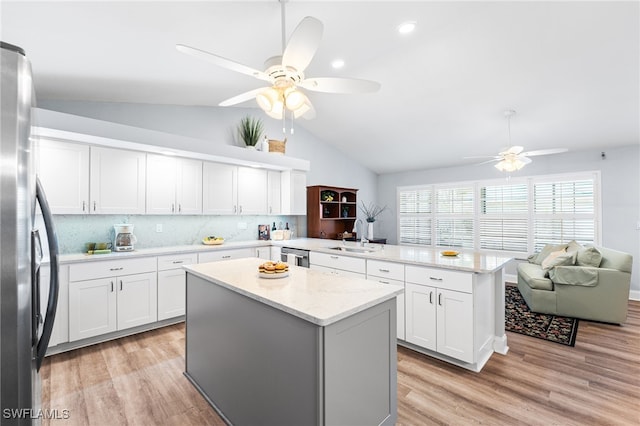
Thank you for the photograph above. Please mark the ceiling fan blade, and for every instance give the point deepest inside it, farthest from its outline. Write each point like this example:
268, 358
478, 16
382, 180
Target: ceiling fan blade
222, 62
243, 97
489, 161
544, 152
481, 156
513, 150
303, 43
525, 160
340, 85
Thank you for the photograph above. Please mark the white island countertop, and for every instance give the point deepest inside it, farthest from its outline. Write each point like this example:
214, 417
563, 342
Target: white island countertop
315, 296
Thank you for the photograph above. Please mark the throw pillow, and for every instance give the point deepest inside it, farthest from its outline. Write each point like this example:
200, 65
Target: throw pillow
546, 251
589, 256
557, 258
573, 246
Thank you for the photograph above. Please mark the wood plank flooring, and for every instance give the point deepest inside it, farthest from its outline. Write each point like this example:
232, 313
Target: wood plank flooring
138, 380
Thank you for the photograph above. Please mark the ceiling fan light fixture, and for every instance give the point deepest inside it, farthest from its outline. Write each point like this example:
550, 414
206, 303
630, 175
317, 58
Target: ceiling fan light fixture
267, 99
293, 99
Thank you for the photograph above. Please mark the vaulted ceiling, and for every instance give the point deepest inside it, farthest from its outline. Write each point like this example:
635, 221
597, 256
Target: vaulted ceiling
569, 69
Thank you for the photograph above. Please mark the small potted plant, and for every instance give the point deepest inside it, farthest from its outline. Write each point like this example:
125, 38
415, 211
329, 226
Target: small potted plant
250, 129
371, 211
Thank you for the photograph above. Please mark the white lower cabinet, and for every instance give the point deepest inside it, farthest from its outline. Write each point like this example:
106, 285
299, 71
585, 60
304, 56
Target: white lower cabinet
440, 312
390, 273
172, 284
339, 265
263, 253
60, 333
218, 255
104, 298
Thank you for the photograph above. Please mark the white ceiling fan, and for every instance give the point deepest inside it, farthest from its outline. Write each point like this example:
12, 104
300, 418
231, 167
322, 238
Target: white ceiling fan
513, 158
285, 73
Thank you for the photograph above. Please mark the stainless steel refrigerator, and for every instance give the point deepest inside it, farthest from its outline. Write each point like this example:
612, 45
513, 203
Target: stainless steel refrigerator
25, 325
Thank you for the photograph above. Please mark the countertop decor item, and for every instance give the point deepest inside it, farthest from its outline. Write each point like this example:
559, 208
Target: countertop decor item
451, 253
372, 211
277, 146
212, 240
250, 129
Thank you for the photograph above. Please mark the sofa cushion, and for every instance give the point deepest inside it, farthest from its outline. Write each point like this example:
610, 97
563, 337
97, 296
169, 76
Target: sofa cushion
534, 276
589, 256
573, 246
574, 275
546, 251
557, 258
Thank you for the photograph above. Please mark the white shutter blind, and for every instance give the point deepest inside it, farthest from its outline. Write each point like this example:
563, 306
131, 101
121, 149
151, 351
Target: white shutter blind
504, 217
564, 211
454, 216
415, 216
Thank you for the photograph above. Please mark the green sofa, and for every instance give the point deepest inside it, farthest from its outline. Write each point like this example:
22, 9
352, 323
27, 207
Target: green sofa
591, 283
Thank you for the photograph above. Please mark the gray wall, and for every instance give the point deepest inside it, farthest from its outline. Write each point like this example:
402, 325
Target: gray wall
620, 180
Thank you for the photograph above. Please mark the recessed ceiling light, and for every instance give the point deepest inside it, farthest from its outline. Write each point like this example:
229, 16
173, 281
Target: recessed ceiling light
337, 63
407, 27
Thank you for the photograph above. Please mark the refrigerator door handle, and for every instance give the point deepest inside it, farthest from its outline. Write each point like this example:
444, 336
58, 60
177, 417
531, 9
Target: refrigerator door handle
36, 256
52, 303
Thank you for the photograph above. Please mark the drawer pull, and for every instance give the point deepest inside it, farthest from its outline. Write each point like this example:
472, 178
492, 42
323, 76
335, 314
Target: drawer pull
435, 279
440, 299
383, 270
226, 257
431, 298
383, 282
334, 257
116, 269
177, 261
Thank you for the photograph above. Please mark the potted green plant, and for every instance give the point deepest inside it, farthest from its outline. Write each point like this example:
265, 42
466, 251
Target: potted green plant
250, 129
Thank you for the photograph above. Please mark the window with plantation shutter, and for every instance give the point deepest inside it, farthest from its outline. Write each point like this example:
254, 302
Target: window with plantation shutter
516, 216
564, 210
504, 212
454, 216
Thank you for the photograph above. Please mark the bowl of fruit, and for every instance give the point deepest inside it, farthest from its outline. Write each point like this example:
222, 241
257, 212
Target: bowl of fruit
212, 240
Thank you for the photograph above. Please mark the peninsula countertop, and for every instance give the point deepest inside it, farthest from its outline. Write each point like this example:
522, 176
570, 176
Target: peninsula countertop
314, 296
467, 260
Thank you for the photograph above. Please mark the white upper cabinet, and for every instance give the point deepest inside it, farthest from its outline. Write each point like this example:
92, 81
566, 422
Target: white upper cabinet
219, 195
117, 182
252, 191
232, 190
294, 192
63, 168
174, 185
274, 188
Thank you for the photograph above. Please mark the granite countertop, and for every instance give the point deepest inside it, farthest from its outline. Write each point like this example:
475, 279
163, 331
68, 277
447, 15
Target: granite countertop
467, 260
318, 297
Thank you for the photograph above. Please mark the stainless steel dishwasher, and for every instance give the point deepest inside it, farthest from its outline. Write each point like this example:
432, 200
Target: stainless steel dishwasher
300, 256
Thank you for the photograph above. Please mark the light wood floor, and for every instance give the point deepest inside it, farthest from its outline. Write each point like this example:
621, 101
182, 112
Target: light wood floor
138, 380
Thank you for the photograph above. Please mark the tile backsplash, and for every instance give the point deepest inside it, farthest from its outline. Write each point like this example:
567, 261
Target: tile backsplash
76, 230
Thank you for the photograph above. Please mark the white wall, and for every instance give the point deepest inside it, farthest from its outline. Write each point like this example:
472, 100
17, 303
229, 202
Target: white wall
620, 179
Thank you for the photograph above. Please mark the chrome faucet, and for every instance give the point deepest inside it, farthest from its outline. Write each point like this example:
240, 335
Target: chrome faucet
363, 240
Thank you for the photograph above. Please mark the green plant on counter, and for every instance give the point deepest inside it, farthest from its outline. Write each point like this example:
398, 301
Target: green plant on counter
250, 129
372, 211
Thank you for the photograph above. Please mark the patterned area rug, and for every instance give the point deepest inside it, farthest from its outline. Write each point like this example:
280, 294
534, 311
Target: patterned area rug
519, 319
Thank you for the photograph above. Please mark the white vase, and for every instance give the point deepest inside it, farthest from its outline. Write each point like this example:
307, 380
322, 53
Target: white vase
369, 230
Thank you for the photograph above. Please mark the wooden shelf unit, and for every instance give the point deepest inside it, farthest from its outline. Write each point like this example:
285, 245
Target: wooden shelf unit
327, 214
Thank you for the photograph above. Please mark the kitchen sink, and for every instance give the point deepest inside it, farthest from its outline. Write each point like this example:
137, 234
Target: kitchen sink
354, 249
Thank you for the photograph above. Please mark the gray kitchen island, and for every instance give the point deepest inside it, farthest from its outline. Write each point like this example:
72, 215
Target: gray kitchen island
310, 348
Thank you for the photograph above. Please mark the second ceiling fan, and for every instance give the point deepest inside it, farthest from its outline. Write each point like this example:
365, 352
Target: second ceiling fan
285, 73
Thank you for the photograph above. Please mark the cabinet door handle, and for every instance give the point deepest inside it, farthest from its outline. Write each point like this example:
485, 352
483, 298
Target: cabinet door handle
334, 257
111, 286
173, 208
235, 209
440, 299
435, 279
226, 257
431, 298
383, 270
84, 206
240, 209
179, 208
177, 261
94, 206
120, 285
116, 269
